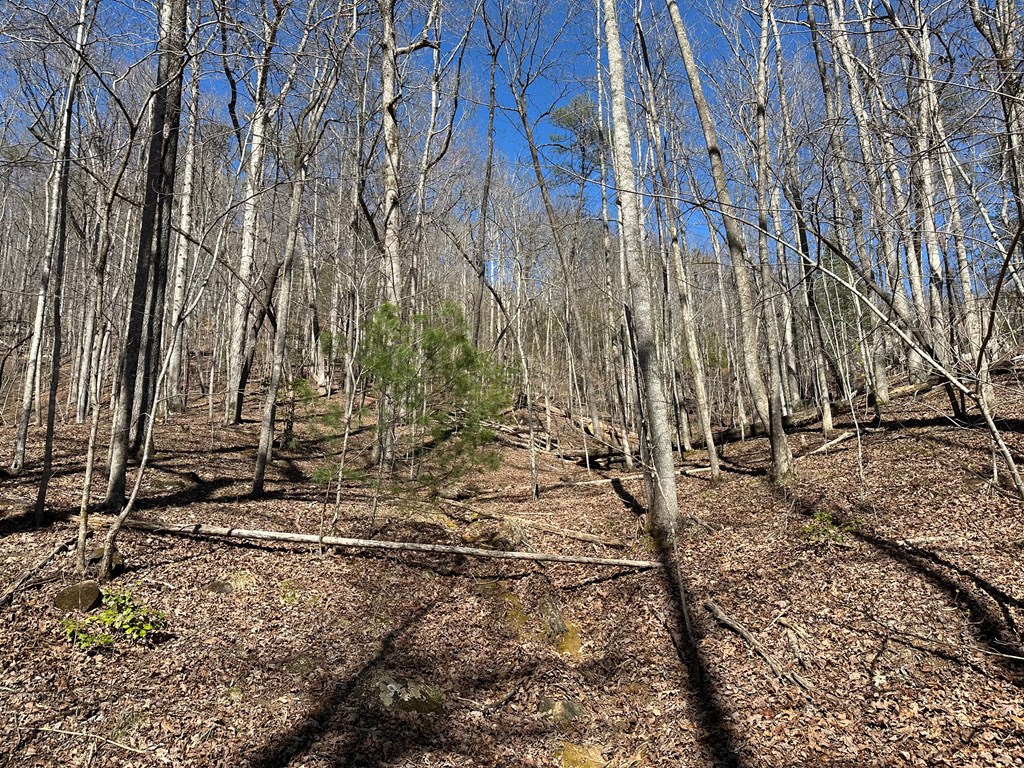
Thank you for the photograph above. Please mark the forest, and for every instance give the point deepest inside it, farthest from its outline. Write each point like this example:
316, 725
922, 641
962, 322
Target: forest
572, 383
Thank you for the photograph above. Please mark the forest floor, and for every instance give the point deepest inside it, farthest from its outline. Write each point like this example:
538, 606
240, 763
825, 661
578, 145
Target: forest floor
886, 577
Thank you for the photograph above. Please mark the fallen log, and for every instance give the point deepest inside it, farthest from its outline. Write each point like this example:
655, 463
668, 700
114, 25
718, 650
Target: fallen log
198, 529
822, 448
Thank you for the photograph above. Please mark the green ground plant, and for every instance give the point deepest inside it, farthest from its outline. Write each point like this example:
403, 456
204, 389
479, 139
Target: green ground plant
121, 618
825, 531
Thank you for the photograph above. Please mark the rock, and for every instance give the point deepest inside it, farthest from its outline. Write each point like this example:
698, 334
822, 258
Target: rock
83, 596
116, 562
561, 712
219, 587
581, 756
409, 695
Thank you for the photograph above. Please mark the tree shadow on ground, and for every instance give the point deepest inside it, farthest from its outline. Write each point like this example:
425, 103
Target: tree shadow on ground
348, 727
193, 490
190, 452
953, 440
711, 713
192, 493
25, 520
291, 471
740, 468
896, 423
628, 498
986, 607
337, 697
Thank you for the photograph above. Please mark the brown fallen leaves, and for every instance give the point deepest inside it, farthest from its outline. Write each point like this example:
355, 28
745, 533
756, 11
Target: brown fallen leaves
910, 646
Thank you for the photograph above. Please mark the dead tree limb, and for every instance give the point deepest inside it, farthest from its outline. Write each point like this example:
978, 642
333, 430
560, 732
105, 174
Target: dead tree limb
690, 472
822, 448
96, 736
727, 621
601, 481
28, 573
198, 529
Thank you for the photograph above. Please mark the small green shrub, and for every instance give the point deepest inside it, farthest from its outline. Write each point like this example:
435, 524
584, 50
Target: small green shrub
443, 394
825, 531
122, 617
79, 634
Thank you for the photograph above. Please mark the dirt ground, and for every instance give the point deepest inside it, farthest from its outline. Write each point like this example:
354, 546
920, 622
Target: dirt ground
882, 590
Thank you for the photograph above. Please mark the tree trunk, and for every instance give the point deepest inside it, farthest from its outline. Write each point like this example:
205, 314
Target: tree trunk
165, 110
176, 396
391, 256
731, 222
664, 504
782, 457
52, 269
281, 335
680, 273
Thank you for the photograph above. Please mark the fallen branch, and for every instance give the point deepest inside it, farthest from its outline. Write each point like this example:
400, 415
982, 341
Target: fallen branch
691, 472
915, 389
198, 529
602, 481
822, 448
96, 736
28, 573
727, 621
921, 540
539, 525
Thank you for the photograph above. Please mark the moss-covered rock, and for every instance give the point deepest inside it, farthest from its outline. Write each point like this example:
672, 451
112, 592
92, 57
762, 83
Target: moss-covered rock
561, 712
95, 557
83, 596
580, 756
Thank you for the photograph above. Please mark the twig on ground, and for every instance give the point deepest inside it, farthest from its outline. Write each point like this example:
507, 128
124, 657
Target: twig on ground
773, 663
794, 627
28, 573
47, 729
823, 448
490, 706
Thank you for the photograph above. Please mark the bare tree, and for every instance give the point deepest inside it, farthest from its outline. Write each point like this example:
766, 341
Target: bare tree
154, 241
664, 504
53, 263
